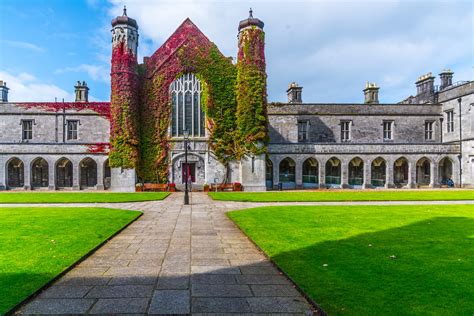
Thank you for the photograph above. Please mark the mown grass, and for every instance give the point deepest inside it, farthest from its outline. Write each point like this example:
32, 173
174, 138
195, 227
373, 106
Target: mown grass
372, 260
349, 195
36, 244
79, 197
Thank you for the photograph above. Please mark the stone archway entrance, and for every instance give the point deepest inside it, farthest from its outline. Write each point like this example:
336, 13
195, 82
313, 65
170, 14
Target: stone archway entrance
196, 170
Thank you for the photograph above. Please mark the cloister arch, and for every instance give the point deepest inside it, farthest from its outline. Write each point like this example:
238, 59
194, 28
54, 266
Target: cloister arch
268, 173
287, 173
356, 171
310, 173
378, 170
88, 173
64, 173
400, 172
423, 171
39, 173
445, 170
333, 171
15, 173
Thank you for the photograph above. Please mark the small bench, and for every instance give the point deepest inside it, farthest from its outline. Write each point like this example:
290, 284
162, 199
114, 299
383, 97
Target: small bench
226, 187
155, 187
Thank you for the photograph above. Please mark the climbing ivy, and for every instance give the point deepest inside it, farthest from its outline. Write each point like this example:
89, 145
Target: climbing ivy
233, 98
251, 91
124, 109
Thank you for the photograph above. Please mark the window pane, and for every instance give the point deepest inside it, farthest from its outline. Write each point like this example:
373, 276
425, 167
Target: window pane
203, 121
196, 114
173, 114
188, 112
180, 114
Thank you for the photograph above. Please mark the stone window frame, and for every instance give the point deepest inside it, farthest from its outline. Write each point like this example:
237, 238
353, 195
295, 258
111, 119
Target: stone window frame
185, 93
390, 130
346, 131
450, 120
72, 132
430, 132
305, 133
28, 133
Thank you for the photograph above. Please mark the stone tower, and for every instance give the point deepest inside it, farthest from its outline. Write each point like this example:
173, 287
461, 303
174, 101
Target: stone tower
123, 155
251, 97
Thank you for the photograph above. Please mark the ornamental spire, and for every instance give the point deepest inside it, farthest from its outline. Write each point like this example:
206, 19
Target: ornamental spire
250, 13
124, 11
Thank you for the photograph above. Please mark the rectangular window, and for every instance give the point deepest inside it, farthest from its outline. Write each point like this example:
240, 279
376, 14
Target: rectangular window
302, 131
388, 130
450, 121
72, 130
346, 131
429, 130
26, 129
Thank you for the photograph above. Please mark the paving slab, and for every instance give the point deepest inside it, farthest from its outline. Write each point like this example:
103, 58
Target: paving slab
175, 259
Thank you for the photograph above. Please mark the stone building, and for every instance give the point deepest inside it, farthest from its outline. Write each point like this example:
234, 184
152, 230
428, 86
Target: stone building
422, 141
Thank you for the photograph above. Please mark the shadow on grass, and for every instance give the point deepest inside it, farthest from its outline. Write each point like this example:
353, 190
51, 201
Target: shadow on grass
423, 268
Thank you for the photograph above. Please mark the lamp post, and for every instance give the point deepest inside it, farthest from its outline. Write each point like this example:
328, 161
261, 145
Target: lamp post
186, 170
460, 143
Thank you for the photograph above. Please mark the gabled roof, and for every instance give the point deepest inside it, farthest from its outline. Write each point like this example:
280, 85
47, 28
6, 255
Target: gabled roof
185, 32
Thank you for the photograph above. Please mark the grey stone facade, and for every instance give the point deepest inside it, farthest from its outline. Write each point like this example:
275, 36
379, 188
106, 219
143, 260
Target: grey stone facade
49, 142
407, 159
429, 160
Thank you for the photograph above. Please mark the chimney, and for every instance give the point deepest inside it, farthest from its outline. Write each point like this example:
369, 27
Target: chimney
3, 91
294, 93
371, 93
82, 92
425, 84
446, 77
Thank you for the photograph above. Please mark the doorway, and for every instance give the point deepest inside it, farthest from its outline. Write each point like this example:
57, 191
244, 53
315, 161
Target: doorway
191, 171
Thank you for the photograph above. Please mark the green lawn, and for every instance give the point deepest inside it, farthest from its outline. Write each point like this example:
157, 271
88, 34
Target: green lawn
79, 197
341, 256
36, 244
349, 195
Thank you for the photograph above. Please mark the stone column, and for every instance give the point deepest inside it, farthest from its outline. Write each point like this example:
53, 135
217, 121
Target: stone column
344, 174
27, 174
322, 175
76, 172
100, 175
298, 174
3, 173
411, 175
367, 184
276, 173
389, 175
434, 181
51, 176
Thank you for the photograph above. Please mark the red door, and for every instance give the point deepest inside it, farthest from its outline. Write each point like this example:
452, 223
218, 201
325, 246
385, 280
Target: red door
191, 171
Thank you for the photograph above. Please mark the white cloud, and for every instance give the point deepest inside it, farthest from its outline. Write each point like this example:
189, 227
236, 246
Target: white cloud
329, 47
24, 45
24, 87
96, 72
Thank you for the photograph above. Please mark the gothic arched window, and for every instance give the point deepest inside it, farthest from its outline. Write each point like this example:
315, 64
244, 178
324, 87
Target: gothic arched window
186, 107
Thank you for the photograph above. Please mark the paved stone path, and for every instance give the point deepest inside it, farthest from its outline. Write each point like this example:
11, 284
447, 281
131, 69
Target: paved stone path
175, 259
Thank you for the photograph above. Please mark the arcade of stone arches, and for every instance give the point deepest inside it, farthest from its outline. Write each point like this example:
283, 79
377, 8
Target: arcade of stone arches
64, 173
401, 172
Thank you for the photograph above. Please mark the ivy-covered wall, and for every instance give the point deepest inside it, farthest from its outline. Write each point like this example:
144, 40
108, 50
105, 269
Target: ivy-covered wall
251, 91
233, 98
124, 108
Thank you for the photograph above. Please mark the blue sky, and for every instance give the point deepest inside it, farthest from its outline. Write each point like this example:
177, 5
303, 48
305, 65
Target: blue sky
331, 48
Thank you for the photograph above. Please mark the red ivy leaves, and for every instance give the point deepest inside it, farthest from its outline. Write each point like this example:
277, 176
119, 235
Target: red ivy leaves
101, 108
98, 148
